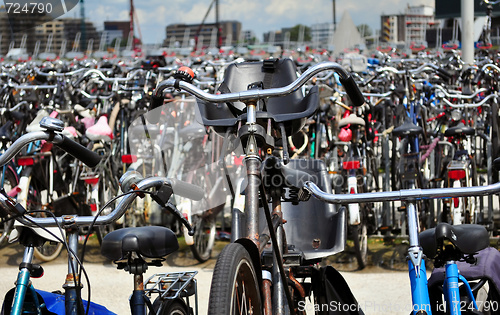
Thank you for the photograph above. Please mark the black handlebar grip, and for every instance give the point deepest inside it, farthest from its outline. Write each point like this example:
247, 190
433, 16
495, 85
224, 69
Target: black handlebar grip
90, 158
156, 101
353, 91
444, 73
186, 190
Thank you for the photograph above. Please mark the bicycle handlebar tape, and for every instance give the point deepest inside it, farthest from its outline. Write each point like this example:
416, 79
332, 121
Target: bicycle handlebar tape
90, 158
186, 190
353, 91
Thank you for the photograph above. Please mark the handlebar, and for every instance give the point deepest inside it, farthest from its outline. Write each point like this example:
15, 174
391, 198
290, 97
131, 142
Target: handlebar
469, 105
152, 182
403, 195
85, 155
460, 96
249, 95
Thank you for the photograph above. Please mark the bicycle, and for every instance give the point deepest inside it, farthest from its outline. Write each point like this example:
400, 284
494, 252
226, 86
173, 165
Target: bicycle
445, 244
251, 108
132, 249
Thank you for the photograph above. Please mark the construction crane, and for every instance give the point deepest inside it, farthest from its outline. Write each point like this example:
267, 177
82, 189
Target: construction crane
198, 31
133, 15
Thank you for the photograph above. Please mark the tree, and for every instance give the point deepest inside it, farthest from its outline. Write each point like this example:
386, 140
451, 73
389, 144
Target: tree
294, 33
365, 30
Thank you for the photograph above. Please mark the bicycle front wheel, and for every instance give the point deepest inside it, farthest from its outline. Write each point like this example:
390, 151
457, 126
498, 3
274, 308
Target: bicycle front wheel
234, 289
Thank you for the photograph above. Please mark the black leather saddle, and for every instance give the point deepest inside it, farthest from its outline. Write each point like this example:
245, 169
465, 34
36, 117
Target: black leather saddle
147, 241
407, 129
467, 238
459, 131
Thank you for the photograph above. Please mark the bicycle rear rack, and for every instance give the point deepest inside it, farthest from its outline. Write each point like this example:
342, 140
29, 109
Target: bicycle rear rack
173, 285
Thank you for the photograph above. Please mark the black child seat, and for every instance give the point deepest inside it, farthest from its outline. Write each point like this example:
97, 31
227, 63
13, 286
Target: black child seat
147, 241
274, 73
315, 228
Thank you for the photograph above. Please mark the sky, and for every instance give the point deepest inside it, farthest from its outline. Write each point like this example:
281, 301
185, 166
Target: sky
258, 15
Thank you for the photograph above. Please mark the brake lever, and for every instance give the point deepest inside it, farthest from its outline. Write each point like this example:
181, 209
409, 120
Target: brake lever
161, 196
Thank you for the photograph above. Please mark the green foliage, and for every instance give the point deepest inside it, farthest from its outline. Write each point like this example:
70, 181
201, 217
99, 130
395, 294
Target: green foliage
294, 33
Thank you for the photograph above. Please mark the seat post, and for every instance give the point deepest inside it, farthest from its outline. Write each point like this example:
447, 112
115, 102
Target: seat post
138, 267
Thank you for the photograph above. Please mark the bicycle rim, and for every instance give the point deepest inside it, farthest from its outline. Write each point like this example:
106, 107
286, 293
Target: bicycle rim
234, 288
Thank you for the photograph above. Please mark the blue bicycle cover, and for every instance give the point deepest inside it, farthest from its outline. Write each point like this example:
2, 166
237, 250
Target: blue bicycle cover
55, 304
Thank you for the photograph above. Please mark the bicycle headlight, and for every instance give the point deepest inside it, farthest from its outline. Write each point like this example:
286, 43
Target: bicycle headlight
456, 115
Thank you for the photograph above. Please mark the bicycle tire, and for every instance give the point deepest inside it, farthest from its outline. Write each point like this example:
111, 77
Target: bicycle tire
48, 251
234, 278
360, 239
204, 236
170, 307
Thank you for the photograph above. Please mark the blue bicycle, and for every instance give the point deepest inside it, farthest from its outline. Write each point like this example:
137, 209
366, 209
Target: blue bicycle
449, 246
132, 249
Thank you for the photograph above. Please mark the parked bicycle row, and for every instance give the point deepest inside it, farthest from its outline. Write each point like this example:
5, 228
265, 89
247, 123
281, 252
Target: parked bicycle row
259, 138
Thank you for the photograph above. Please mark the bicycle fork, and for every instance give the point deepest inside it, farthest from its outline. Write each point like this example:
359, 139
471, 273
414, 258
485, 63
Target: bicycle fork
416, 265
23, 285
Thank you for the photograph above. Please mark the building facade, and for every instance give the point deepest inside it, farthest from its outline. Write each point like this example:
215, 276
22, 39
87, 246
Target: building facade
408, 27
184, 34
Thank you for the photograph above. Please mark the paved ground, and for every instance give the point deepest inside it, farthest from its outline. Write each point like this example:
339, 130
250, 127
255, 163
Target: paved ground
382, 288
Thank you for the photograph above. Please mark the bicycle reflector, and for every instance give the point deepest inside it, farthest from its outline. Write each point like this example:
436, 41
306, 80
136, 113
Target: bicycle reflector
91, 180
456, 174
25, 161
129, 158
351, 165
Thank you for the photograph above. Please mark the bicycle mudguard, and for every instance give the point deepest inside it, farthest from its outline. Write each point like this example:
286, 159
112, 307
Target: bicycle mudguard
55, 304
332, 294
486, 267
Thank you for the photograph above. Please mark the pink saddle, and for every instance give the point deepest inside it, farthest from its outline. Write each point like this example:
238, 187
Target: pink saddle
100, 131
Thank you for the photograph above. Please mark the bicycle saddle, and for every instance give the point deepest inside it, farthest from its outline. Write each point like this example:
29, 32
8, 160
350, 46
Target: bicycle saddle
351, 120
147, 241
467, 238
459, 131
407, 129
100, 131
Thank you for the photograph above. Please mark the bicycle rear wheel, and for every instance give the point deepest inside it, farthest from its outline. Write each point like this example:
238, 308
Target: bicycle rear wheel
234, 289
204, 236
